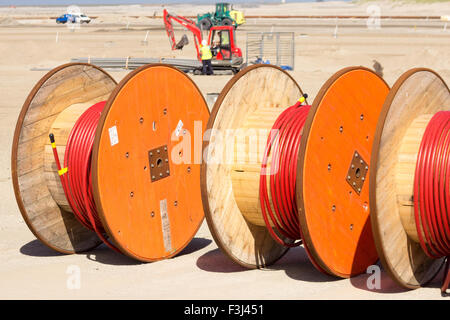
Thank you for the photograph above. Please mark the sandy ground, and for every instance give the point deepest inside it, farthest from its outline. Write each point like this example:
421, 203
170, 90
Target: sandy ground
30, 270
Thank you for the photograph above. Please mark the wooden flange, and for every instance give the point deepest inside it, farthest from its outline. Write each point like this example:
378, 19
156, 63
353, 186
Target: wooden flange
417, 93
146, 162
333, 165
62, 87
257, 88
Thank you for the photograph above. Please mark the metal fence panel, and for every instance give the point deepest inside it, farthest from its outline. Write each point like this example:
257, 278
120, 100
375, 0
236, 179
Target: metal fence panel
276, 48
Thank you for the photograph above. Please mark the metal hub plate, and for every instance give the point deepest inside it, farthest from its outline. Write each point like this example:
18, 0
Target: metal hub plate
357, 172
158, 159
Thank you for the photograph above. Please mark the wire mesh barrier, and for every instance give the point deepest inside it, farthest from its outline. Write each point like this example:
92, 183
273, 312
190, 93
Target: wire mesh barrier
277, 48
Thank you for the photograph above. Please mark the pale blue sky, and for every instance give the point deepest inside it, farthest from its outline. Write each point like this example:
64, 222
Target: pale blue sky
92, 2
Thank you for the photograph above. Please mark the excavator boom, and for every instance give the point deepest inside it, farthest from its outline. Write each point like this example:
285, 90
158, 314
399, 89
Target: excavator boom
188, 24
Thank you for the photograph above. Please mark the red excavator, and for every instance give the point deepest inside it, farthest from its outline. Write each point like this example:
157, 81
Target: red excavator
221, 39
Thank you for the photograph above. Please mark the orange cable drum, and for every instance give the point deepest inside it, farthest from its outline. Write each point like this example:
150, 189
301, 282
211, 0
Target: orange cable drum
333, 171
333, 159
153, 109
144, 163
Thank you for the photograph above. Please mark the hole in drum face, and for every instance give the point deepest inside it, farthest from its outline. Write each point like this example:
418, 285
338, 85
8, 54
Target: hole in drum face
154, 125
358, 173
159, 162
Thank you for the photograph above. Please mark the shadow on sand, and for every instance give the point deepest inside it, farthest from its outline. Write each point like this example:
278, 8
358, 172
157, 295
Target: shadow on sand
297, 266
216, 261
103, 254
35, 248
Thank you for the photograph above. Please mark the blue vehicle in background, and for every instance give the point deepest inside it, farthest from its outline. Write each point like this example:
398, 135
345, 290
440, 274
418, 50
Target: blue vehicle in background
73, 18
65, 18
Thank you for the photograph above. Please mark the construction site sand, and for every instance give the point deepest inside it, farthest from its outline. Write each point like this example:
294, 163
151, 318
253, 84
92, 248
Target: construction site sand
8, 21
30, 270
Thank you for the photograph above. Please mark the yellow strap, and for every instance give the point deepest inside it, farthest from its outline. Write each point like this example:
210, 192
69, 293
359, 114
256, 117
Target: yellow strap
53, 145
62, 171
302, 99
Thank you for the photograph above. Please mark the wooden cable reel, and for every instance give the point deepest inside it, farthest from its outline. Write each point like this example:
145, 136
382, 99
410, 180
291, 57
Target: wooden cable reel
333, 213
148, 215
414, 99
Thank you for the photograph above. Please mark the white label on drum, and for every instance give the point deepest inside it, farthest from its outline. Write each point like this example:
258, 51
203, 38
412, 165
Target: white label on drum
165, 224
179, 127
113, 136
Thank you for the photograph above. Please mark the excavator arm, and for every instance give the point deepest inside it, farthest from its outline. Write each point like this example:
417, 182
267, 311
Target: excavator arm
188, 24
169, 29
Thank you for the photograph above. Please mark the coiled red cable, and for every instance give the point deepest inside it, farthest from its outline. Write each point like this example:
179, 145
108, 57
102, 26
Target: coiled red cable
431, 191
282, 146
77, 180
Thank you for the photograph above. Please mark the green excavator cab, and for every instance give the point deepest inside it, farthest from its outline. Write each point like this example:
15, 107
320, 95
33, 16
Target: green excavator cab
222, 10
224, 15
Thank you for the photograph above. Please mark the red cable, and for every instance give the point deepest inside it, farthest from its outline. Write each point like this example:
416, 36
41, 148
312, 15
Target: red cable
77, 181
282, 145
431, 191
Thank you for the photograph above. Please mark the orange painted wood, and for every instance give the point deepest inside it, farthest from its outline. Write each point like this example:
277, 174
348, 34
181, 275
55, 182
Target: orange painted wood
335, 218
130, 205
